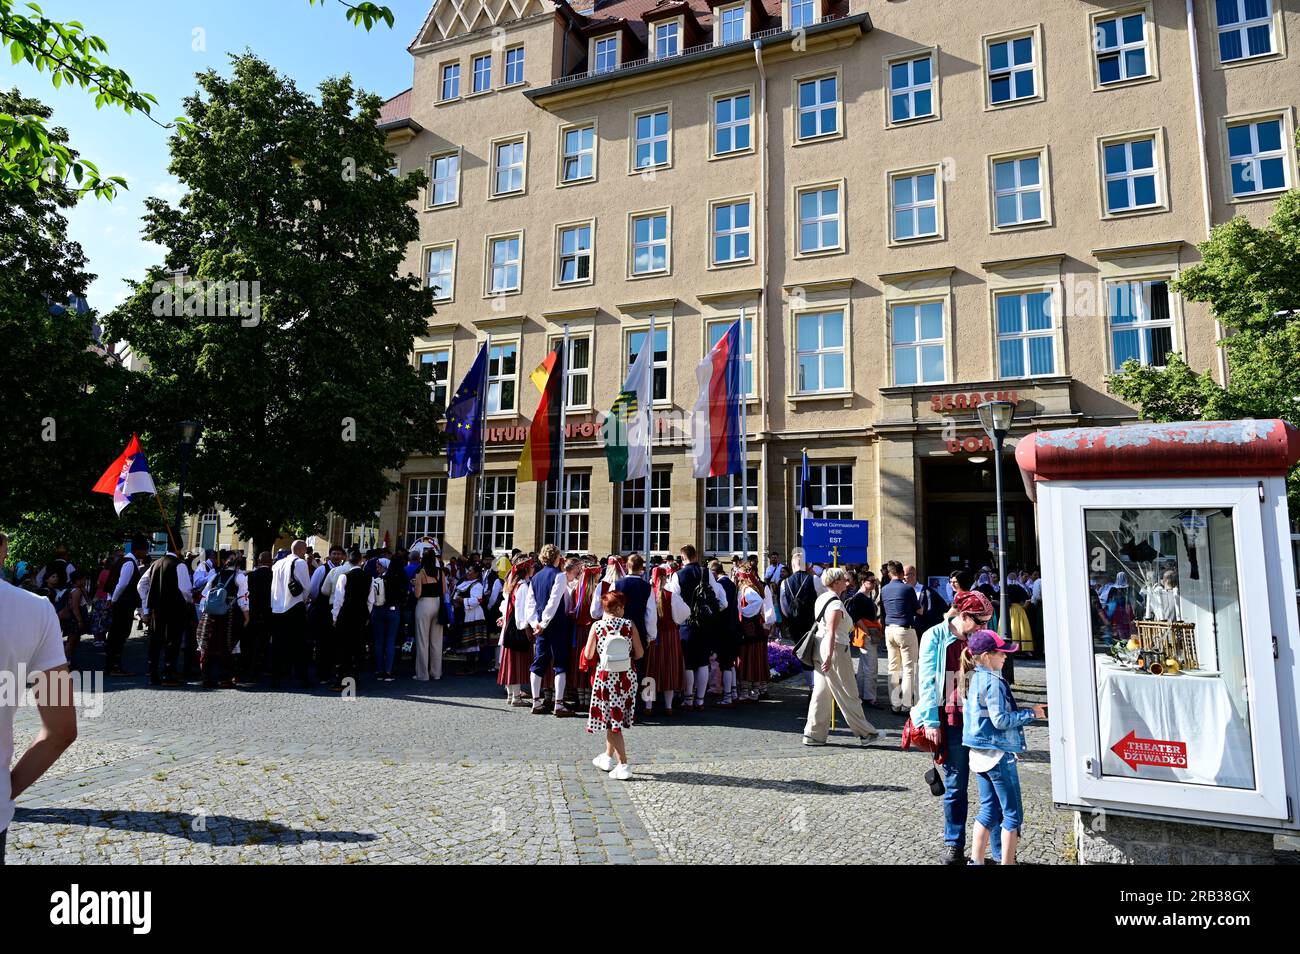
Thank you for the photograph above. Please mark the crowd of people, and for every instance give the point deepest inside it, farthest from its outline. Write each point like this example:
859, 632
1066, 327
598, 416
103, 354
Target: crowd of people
612, 640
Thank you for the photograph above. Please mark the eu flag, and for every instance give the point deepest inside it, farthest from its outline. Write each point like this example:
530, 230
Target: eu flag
465, 421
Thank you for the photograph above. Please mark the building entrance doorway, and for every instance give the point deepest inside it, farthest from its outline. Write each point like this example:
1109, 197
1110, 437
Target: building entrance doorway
960, 516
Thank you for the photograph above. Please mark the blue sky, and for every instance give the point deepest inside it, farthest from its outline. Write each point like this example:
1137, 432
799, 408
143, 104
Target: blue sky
156, 42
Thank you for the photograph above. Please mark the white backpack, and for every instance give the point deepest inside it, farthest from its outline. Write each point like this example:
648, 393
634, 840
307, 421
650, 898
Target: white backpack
378, 586
616, 656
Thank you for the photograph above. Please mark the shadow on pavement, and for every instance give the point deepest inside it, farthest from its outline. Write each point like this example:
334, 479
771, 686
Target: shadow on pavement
791, 786
181, 825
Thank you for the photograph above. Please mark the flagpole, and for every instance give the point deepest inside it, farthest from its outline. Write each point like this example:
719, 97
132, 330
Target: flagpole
650, 440
744, 448
482, 448
799, 510
176, 547
562, 517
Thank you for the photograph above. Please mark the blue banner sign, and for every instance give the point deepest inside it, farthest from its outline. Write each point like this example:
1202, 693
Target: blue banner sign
835, 542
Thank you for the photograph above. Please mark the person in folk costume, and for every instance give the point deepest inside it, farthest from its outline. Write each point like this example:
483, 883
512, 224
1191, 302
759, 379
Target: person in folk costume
219, 632
351, 603
589, 588
726, 641
516, 637
666, 667
755, 606
640, 609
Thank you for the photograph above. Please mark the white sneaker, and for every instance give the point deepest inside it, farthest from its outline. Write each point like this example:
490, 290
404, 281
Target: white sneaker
604, 761
622, 772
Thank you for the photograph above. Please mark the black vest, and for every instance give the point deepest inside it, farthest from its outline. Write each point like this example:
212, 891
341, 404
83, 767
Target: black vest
688, 583
130, 599
636, 594
356, 595
166, 602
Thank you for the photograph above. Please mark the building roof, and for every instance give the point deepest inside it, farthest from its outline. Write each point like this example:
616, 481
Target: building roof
396, 109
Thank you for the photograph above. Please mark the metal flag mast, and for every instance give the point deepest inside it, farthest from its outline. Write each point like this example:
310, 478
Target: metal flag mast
744, 449
650, 439
561, 497
479, 503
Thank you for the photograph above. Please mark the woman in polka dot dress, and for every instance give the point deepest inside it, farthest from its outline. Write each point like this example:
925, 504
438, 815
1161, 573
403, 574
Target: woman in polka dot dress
613, 641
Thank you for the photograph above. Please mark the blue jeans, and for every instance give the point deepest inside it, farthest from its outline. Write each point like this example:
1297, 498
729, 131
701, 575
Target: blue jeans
1000, 797
387, 619
956, 781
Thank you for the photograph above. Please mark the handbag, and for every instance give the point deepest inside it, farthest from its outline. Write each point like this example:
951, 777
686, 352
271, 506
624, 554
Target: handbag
914, 738
806, 650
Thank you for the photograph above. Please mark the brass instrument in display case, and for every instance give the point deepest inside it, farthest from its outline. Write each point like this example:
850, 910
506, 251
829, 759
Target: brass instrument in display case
1172, 639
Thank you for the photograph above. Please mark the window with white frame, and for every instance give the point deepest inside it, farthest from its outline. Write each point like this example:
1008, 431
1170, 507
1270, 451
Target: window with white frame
650, 243
435, 367
911, 88
502, 378
506, 262
1245, 29
820, 352
444, 179
1018, 191
1141, 323
508, 167
725, 531
916, 205
830, 491
667, 39
482, 73
802, 13
514, 66
568, 520
731, 123
1257, 156
1120, 47
1026, 334
732, 231
209, 527
574, 250
440, 272
916, 335
426, 508
578, 159
717, 329
658, 359
819, 219
731, 24
1130, 169
633, 513
605, 54
495, 532
1011, 69
361, 535
819, 107
578, 372
650, 147
450, 81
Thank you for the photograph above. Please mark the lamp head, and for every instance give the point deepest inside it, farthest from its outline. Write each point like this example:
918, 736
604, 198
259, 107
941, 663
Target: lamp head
995, 417
189, 432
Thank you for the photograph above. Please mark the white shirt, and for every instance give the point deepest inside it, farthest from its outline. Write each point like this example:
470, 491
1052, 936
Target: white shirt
201, 574
650, 626
182, 583
241, 587
751, 603
30, 642
773, 573
560, 595
1036, 594
844, 629
494, 592
318, 579
471, 591
124, 577
340, 586
682, 612
281, 599
332, 579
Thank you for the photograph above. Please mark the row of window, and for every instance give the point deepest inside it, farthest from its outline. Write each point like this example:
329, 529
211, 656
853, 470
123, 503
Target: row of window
1140, 326
567, 517
480, 74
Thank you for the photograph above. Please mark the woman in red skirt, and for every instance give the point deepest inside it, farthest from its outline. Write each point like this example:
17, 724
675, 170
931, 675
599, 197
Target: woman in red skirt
516, 637
755, 604
580, 671
666, 666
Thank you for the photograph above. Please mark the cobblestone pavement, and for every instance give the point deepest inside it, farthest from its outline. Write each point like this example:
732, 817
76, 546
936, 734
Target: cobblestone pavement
445, 772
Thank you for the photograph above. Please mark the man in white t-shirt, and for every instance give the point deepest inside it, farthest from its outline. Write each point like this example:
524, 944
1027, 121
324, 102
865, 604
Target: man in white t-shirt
31, 649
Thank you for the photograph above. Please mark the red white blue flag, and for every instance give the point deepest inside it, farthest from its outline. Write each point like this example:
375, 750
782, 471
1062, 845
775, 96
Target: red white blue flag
716, 424
127, 475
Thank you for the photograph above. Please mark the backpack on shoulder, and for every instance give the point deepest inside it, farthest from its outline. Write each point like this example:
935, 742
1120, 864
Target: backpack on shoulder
706, 611
218, 600
616, 656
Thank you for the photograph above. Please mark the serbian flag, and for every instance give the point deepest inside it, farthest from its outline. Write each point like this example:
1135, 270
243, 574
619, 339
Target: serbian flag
542, 448
716, 430
128, 475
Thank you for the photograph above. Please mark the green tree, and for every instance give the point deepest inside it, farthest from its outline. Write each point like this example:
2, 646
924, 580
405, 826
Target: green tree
60, 413
308, 395
71, 56
1250, 277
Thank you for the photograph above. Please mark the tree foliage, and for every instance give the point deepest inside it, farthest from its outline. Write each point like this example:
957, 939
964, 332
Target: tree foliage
308, 396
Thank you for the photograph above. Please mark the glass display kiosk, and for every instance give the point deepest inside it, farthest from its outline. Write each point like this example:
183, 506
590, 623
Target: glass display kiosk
1170, 618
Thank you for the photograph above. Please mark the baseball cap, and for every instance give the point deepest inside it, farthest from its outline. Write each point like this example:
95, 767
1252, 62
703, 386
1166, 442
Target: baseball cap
987, 641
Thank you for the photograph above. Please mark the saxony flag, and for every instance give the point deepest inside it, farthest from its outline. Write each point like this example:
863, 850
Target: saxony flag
628, 424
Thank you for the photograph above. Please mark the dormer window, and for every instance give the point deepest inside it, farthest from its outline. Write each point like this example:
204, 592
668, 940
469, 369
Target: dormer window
732, 26
668, 39
803, 13
604, 53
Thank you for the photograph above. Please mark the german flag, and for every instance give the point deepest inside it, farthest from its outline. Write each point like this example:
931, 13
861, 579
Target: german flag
542, 448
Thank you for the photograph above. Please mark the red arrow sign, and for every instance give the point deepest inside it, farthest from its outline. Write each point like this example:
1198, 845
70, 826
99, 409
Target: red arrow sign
1135, 752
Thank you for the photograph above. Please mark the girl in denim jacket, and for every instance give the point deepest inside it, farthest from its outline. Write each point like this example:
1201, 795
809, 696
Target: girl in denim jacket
994, 731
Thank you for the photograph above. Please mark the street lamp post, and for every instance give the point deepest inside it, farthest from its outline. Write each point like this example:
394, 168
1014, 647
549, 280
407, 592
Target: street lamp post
188, 435
995, 417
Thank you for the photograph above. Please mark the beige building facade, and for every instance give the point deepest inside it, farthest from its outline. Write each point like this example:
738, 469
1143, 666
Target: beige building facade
915, 205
